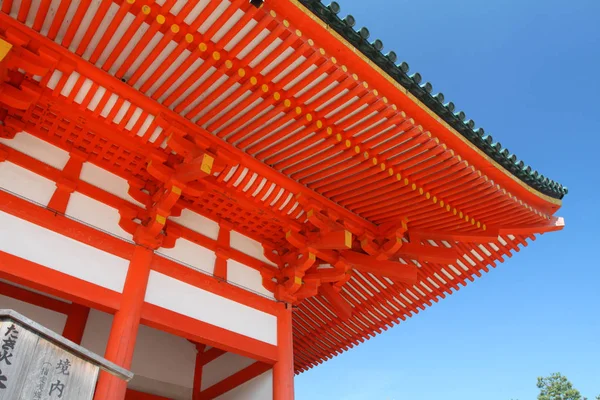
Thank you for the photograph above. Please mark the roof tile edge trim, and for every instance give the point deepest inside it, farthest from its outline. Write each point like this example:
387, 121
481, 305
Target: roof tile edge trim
412, 83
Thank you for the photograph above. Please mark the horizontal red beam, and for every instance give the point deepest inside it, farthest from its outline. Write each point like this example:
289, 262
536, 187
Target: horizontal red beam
58, 223
391, 269
337, 302
440, 255
34, 298
211, 355
465, 237
556, 224
39, 277
235, 380
198, 331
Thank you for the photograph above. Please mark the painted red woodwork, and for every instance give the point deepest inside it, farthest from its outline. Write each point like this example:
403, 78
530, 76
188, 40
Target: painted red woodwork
341, 306
235, 380
149, 104
211, 354
198, 331
223, 240
283, 370
67, 183
123, 332
41, 278
34, 298
76, 319
305, 21
351, 180
65, 226
196, 278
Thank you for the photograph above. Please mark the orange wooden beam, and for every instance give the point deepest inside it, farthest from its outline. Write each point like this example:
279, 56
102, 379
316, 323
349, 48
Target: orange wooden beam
44, 279
211, 354
34, 298
556, 224
76, 321
235, 380
442, 255
337, 302
393, 270
198, 331
467, 237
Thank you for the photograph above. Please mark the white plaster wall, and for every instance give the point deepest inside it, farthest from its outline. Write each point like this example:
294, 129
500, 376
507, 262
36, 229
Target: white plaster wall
158, 355
97, 329
178, 296
50, 319
61, 253
190, 253
197, 223
259, 388
96, 214
38, 149
26, 183
247, 277
222, 367
248, 246
106, 180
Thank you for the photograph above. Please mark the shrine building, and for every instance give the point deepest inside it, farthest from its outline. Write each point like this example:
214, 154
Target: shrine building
220, 194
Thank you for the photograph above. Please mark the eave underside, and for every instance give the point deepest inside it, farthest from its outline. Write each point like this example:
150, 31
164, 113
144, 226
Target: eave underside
286, 120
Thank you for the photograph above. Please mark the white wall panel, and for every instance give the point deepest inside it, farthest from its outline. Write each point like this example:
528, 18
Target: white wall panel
97, 330
96, 214
174, 295
108, 181
248, 246
247, 277
222, 367
61, 253
197, 223
163, 364
50, 319
259, 388
38, 149
192, 254
26, 183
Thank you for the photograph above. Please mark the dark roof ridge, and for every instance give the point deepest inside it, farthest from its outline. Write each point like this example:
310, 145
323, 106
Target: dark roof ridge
435, 102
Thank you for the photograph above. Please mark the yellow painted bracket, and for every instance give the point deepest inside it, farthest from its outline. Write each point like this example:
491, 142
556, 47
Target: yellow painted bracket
4, 49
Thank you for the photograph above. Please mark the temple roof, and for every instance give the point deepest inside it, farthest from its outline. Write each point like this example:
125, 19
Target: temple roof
435, 102
397, 209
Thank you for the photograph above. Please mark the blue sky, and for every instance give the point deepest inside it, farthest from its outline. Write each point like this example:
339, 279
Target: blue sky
527, 71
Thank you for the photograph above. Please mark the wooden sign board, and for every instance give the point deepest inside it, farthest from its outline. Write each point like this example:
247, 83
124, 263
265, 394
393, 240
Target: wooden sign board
38, 364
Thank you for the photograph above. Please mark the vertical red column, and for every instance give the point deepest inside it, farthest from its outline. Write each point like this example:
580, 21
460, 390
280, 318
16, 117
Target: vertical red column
283, 370
123, 333
75, 325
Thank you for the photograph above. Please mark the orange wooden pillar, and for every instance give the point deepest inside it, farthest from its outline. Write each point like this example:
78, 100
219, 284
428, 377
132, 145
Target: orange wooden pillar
283, 370
123, 333
76, 320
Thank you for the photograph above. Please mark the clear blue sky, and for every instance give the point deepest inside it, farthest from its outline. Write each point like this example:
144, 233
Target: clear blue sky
527, 71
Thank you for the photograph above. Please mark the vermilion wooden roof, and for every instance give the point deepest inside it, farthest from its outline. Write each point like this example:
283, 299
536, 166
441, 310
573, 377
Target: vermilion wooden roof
309, 137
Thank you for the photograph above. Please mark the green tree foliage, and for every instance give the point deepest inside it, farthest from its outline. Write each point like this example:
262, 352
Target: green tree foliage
558, 387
